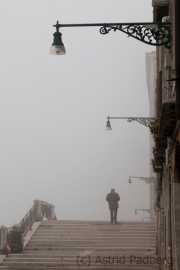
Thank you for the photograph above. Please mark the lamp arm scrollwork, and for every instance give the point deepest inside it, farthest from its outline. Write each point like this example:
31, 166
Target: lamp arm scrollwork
156, 34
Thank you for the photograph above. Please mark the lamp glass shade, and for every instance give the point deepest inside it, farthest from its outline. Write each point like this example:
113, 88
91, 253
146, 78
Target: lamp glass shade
108, 126
57, 50
130, 182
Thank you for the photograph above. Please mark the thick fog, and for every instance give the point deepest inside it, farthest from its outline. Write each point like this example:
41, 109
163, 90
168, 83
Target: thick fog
53, 142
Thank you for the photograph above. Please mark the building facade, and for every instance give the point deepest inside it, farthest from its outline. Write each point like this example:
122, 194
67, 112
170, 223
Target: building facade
151, 86
166, 152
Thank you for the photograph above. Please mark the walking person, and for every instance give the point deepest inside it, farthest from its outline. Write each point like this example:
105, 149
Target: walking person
112, 198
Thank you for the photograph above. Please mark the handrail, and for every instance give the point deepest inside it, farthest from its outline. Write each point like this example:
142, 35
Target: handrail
26, 214
37, 212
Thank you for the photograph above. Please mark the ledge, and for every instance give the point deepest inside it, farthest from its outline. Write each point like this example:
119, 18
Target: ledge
2, 257
168, 118
30, 233
159, 2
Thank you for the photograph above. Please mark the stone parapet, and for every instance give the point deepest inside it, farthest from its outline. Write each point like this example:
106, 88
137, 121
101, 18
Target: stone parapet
2, 236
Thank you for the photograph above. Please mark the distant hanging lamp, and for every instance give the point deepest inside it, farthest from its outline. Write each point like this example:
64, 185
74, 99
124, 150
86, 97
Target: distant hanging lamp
57, 47
108, 124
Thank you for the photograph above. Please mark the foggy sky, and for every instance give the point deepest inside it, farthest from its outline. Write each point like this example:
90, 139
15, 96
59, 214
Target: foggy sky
53, 109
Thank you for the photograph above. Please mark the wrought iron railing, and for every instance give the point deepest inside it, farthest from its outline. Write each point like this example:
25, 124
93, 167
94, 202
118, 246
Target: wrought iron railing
38, 212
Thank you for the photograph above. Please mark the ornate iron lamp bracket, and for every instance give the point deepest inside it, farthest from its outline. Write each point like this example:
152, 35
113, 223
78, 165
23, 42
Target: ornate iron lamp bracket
144, 121
156, 34
147, 180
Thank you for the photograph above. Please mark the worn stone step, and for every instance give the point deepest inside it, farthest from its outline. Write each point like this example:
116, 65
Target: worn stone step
92, 222
91, 232
70, 255
82, 268
67, 265
60, 260
119, 245
112, 235
68, 238
81, 249
110, 231
94, 238
98, 234
95, 232
107, 224
88, 243
111, 226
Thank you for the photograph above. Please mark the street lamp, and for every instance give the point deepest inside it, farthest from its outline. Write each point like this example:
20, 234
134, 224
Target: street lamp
108, 125
146, 210
146, 121
130, 182
57, 47
156, 34
147, 180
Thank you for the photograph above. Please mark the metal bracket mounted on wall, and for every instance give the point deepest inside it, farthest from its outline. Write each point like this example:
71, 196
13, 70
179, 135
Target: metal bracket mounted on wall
156, 34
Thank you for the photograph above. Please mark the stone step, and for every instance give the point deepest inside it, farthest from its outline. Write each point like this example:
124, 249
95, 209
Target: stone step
58, 264
88, 230
107, 224
73, 261
112, 233
95, 233
99, 233
95, 226
68, 237
96, 223
110, 226
82, 268
90, 243
87, 242
118, 237
93, 248
68, 256
114, 228
88, 246
77, 241
93, 238
60, 260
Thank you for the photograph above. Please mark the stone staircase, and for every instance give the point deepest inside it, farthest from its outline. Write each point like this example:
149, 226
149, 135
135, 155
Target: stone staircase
88, 245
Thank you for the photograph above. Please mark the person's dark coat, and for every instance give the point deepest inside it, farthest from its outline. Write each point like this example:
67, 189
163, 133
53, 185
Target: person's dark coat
112, 198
